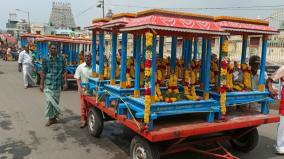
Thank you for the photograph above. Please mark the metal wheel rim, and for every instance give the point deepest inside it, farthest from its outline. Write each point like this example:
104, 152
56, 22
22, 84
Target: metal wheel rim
139, 153
240, 142
92, 122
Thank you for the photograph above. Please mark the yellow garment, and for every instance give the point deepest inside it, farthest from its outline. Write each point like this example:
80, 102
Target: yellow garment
213, 72
117, 71
238, 86
158, 95
179, 68
247, 76
173, 84
230, 77
168, 67
163, 67
128, 81
195, 65
189, 88
106, 72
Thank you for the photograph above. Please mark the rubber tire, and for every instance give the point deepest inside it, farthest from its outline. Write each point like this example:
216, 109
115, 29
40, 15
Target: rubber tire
247, 142
151, 150
98, 126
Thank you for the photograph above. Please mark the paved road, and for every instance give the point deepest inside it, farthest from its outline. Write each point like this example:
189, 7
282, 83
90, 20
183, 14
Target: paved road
23, 134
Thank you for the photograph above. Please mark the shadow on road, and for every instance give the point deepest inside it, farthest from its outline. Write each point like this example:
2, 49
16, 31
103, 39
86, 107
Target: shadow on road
5, 121
264, 150
116, 139
112, 139
18, 149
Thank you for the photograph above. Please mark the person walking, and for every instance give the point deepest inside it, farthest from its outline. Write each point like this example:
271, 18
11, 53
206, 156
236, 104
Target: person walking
25, 65
53, 68
83, 72
278, 75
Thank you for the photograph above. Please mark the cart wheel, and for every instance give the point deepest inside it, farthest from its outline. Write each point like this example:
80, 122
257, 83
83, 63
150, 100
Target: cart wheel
142, 149
247, 142
95, 122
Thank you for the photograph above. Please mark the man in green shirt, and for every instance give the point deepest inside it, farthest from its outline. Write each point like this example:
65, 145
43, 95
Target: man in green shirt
52, 81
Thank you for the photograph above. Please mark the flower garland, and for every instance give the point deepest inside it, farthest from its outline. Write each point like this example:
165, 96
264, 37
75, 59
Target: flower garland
223, 78
147, 80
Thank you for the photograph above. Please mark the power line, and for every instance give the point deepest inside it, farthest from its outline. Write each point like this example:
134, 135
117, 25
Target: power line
236, 8
204, 8
86, 10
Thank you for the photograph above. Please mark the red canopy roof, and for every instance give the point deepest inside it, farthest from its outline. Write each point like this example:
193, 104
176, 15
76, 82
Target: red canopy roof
246, 28
176, 24
182, 23
64, 40
97, 23
31, 35
117, 22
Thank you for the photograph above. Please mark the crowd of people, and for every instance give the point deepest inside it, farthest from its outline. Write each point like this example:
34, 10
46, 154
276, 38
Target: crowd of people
9, 52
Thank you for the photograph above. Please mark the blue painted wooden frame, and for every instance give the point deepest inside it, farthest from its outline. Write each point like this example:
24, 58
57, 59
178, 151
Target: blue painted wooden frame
123, 57
153, 73
173, 52
220, 59
101, 53
94, 51
161, 47
113, 55
189, 51
78, 54
144, 49
137, 62
160, 109
195, 47
207, 68
203, 60
70, 54
244, 49
263, 60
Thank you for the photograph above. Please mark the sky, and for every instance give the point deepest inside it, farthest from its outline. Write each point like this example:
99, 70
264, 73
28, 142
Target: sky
40, 9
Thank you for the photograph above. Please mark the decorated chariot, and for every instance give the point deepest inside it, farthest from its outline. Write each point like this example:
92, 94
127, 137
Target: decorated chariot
174, 99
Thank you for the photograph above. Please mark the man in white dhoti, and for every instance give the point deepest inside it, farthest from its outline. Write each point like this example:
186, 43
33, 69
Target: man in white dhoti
25, 64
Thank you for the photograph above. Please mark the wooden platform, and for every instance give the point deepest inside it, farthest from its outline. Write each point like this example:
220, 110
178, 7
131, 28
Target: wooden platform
175, 127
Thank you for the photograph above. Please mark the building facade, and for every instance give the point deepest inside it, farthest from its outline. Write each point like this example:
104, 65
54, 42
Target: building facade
61, 16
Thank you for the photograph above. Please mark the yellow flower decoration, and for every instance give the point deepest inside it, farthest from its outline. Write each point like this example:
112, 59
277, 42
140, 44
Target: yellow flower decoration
147, 72
223, 71
149, 39
225, 47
